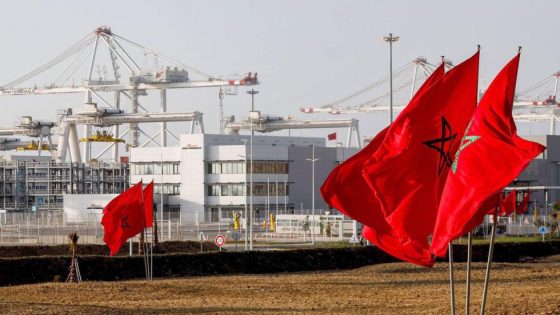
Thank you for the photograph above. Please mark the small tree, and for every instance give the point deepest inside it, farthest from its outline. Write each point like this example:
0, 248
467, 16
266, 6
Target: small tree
74, 275
155, 224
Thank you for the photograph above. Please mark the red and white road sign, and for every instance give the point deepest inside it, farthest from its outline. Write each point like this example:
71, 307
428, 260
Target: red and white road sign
220, 240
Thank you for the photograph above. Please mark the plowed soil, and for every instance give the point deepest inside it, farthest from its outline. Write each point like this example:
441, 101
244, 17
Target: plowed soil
396, 288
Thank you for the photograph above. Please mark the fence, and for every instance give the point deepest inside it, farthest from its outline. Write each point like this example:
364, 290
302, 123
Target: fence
50, 228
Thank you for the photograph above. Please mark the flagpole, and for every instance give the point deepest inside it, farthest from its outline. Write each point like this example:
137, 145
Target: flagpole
144, 246
451, 279
469, 259
490, 254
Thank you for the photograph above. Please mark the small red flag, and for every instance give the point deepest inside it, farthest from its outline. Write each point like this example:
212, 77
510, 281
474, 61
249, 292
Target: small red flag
490, 157
508, 204
345, 189
409, 170
149, 203
524, 205
331, 136
123, 218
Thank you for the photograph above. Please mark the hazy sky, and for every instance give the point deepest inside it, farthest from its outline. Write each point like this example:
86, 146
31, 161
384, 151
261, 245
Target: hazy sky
306, 52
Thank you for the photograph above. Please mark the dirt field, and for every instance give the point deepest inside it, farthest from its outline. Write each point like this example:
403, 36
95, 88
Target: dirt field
398, 288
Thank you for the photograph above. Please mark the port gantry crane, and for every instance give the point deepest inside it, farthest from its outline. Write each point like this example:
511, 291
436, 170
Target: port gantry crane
29, 128
536, 104
91, 115
87, 54
420, 68
265, 123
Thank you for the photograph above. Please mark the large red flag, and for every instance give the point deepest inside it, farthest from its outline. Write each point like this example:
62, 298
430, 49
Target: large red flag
524, 205
409, 170
123, 218
149, 203
346, 190
490, 157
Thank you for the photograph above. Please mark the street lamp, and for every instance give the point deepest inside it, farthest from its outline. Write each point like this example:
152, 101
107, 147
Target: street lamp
252, 92
391, 39
245, 191
313, 160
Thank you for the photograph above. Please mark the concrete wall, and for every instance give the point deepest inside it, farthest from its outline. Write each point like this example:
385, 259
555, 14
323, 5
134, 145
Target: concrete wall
82, 208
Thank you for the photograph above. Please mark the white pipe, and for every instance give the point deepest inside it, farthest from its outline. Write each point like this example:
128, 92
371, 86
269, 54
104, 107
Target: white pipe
73, 144
163, 109
132, 118
85, 145
115, 151
63, 143
93, 58
413, 81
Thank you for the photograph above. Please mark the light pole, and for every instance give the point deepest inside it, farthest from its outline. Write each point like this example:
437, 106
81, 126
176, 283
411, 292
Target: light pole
245, 190
313, 160
391, 39
252, 92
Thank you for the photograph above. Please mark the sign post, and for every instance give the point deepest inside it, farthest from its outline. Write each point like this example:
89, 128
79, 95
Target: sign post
543, 230
220, 241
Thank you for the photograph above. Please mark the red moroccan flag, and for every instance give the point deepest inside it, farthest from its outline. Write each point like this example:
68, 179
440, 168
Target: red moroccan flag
123, 218
409, 170
346, 190
331, 136
490, 157
508, 204
524, 205
149, 203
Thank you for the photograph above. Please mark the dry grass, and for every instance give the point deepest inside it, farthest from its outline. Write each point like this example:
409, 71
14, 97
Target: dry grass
521, 288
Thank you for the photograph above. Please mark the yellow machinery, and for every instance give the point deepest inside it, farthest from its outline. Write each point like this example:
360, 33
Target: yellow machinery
103, 136
272, 222
33, 146
236, 221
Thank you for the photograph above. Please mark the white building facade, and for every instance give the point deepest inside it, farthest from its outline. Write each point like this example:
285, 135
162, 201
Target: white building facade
207, 177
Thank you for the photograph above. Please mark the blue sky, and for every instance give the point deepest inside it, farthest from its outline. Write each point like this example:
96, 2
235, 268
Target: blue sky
306, 52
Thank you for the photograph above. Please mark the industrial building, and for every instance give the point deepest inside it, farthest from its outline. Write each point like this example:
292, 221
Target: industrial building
542, 176
31, 183
207, 177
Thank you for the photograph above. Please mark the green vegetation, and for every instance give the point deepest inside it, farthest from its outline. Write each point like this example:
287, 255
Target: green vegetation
502, 239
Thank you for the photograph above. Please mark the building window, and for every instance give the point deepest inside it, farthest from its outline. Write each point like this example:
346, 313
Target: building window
168, 189
269, 167
155, 168
259, 189
213, 190
226, 190
225, 168
259, 167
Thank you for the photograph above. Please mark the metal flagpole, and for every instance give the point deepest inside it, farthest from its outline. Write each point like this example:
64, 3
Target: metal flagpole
145, 231
469, 259
490, 254
451, 279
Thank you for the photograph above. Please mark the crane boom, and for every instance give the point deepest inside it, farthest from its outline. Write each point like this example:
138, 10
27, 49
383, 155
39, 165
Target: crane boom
265, 123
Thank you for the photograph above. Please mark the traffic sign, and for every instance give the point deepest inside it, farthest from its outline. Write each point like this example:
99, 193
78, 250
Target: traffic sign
220, 240
543, 229
354, 239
